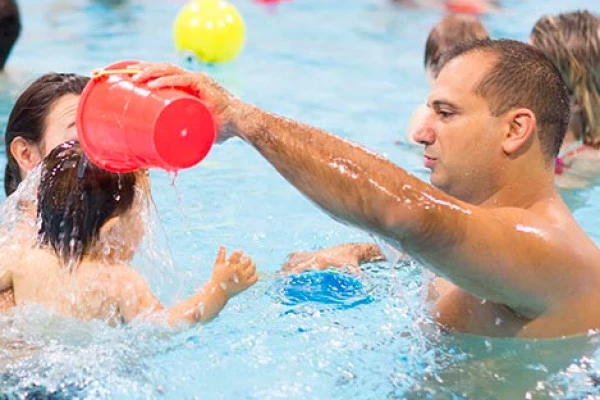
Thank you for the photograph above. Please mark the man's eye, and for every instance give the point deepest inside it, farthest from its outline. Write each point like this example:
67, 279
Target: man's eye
445, 114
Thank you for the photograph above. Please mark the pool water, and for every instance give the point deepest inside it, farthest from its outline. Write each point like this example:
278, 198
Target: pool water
353, 68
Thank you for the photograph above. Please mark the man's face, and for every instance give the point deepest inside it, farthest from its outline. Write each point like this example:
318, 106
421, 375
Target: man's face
462, 138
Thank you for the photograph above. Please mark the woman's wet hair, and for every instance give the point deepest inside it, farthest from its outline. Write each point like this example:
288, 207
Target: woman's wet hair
28, 116
452, 29
75, 199
572, 43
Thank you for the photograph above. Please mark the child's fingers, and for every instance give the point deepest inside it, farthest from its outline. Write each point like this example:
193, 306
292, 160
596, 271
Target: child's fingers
251, 270
245, 261
221, 256
234, 258
253, 279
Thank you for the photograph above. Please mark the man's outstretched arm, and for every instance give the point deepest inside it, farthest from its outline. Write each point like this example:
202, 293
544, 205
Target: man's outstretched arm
505, 255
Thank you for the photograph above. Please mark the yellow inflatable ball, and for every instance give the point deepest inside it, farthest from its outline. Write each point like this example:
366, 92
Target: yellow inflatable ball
211, 29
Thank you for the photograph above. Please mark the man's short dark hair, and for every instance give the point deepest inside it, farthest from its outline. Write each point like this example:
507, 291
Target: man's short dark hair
522, 76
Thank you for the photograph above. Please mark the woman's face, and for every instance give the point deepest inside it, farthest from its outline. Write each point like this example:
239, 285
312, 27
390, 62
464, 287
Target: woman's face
59, 124
59, 127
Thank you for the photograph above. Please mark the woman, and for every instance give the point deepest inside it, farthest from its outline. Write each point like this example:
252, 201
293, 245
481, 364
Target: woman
43, 117
572, 42
90, 226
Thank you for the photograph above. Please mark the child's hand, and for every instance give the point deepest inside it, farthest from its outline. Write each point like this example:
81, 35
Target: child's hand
233, 275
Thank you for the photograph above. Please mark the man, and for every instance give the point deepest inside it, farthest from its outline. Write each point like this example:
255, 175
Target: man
10, 28
513, 261
450, 30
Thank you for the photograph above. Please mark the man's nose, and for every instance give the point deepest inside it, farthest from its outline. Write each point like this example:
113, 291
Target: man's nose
424, 134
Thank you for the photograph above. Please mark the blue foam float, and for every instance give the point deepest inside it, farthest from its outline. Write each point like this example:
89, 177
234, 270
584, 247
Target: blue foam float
331, 288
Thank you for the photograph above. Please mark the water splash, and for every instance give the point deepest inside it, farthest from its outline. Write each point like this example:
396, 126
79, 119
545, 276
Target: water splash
420, 359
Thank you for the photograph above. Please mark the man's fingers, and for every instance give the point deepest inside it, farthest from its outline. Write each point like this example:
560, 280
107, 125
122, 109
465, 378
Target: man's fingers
152, 71
172, 81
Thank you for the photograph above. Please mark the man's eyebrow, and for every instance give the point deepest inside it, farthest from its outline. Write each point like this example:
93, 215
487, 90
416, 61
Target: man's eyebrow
441, 103
72, 124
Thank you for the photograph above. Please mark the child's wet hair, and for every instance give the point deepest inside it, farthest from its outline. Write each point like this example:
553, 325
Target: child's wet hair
76, 198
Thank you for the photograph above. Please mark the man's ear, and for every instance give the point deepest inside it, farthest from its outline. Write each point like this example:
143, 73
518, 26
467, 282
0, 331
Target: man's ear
521, 129
109, 224
26, 154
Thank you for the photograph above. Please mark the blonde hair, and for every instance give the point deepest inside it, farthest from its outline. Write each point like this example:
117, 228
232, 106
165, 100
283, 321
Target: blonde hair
572, 42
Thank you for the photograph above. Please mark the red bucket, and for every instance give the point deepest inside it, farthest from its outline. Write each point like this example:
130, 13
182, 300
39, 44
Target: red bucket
124, 126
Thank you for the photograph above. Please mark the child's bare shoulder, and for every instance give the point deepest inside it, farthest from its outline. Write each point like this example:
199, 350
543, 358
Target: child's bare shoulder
127, 277
23, 257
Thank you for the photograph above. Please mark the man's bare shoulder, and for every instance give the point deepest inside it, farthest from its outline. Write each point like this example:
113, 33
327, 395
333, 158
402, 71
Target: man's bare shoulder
552, 220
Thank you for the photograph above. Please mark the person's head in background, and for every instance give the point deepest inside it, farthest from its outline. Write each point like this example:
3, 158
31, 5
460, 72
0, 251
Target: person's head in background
10, 28
474, 7
43, 117
450, 30
86, 212
572, 42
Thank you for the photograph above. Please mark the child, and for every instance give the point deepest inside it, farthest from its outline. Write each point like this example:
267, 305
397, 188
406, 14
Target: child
90, 225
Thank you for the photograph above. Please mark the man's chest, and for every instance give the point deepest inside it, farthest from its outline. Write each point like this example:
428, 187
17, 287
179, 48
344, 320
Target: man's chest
460, 311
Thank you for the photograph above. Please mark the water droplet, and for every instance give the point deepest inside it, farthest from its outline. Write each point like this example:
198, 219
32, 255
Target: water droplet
488, 345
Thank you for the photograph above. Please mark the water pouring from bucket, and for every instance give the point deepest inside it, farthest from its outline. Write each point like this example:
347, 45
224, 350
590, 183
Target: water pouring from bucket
124, 126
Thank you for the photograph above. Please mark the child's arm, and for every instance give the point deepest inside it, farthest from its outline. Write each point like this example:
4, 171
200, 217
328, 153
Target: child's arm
134, 296
229, 278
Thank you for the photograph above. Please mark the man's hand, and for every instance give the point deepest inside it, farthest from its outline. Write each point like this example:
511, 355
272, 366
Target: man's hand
345, 257
227, 110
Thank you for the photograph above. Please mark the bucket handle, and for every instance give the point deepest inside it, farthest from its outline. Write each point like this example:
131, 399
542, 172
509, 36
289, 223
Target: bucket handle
99, 73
